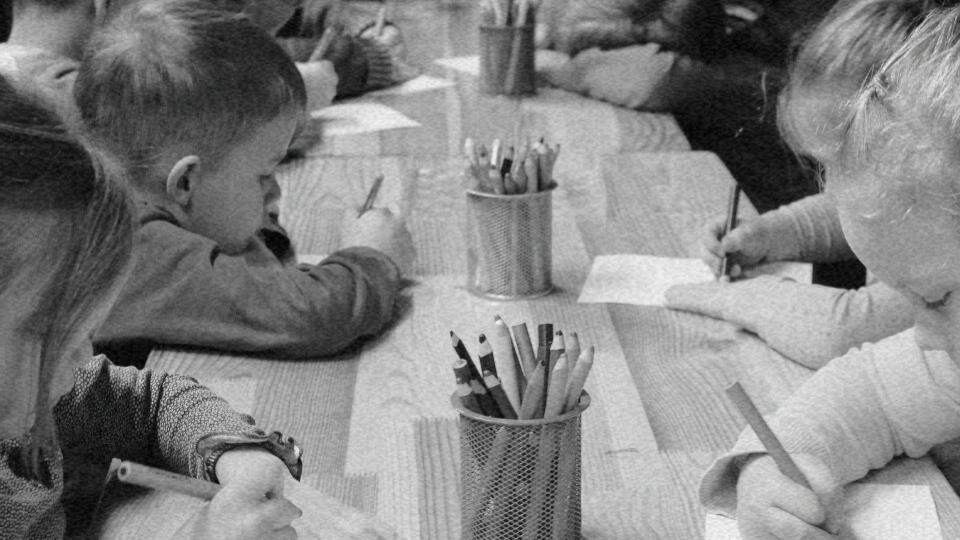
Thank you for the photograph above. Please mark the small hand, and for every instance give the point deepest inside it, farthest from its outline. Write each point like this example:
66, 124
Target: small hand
770, 505
748, 245
320, 80
380, 229
251, 504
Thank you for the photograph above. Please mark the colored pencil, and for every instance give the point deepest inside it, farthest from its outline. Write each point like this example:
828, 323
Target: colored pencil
326, 39
577, 379
557, 388
485, 355
766, 435
572, 342
371, 195
528, 360
485, 402
493, 385
509, 370
532, 404
723, 268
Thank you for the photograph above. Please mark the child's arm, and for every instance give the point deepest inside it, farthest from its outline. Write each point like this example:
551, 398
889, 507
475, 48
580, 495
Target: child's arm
806, 230
184, 291
139, 415
856, 414
809, 324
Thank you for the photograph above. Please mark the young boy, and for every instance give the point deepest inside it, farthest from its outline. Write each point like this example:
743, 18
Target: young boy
159, 87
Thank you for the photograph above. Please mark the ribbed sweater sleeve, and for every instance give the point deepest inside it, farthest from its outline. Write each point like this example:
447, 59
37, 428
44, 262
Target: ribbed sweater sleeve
856, 414
185, 291
809, 324
141, 415
808, 230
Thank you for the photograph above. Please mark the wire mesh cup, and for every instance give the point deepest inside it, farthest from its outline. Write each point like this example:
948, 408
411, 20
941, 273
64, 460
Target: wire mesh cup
520, 478
509, 244
507, 60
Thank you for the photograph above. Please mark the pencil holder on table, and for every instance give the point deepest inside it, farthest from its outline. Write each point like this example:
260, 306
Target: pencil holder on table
520, 479
507, 60
509, 244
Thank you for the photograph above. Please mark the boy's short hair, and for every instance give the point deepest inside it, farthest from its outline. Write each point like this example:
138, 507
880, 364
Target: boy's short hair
177, 74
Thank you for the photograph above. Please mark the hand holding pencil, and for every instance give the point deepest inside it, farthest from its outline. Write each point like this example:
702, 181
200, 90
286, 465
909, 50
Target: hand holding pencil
381, 229
788, 495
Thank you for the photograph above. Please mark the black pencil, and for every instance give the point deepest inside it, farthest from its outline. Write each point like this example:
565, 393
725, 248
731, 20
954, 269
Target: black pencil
371, 195
723, 269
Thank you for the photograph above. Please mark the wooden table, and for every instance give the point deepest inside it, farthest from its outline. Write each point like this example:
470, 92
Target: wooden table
376, 422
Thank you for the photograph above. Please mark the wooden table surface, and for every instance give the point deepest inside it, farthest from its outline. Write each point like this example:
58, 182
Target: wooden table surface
376, 423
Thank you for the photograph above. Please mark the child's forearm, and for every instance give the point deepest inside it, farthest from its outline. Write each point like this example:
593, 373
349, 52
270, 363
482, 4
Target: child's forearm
808, 230
857, 414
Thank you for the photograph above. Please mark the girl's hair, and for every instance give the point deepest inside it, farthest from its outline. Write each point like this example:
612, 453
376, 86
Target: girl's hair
839, 70
172, 74
66, 229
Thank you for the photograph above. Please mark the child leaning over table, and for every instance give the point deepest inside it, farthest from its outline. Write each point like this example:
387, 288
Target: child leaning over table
890, 160
66, 229
811, 324
159, 87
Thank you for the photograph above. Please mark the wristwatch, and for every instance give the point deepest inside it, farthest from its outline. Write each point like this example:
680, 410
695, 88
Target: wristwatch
211, 447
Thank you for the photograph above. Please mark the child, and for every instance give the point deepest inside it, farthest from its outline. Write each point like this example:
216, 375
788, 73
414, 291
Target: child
66, 227
890, 160
810, 324
158, 86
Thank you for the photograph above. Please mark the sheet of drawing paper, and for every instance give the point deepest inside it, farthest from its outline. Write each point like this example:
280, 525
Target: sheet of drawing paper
643, 279
357, 118
544, 60
871, 512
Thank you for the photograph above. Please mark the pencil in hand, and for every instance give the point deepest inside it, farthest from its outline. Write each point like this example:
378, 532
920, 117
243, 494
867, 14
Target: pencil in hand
371, 196
723, 268
766, 435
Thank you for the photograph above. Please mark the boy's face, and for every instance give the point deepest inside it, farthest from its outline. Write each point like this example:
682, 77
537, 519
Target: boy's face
909, 237
228, 203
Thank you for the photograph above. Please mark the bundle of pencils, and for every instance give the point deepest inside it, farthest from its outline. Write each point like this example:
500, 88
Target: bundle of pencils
522, 477
510, 382
509, 171
507, 12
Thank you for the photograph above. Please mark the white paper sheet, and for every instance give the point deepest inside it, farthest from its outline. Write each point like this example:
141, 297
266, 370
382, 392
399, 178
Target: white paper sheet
357, 118
544, 60
871, 512
423, 83
643, 279
326, 517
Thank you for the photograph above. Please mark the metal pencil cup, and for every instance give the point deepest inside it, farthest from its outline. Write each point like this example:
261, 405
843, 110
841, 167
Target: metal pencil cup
507, 60
509, 244
520, 478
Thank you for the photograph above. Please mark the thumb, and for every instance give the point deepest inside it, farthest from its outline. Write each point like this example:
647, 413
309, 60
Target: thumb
733, 241
828, 489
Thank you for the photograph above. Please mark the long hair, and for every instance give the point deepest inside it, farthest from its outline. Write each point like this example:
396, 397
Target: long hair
66, 230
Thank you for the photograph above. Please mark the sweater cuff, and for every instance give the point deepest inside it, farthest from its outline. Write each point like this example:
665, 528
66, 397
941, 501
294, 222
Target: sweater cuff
718, 486
363, 252
380, 65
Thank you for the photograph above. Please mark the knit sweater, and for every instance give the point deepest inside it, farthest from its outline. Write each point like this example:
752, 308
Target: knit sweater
856, 414
148, 417
184, 291
809, 324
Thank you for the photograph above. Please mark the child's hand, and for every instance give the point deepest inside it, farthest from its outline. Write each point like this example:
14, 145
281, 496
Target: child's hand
380, 229
749, 244
320, 80
770, 505
251, 504
389, 36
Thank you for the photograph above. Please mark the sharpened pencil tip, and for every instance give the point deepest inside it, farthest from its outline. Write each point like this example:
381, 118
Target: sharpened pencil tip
483, 338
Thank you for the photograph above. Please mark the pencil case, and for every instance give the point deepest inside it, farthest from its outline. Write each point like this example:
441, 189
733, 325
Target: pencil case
520, 479
507, 60
509, 244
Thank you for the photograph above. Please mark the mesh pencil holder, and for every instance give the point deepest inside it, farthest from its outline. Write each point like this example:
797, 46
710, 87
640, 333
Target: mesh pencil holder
509, 244
507, 60
520, 478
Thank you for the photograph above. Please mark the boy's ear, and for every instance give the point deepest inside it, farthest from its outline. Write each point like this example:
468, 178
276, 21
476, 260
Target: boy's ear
181, 181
